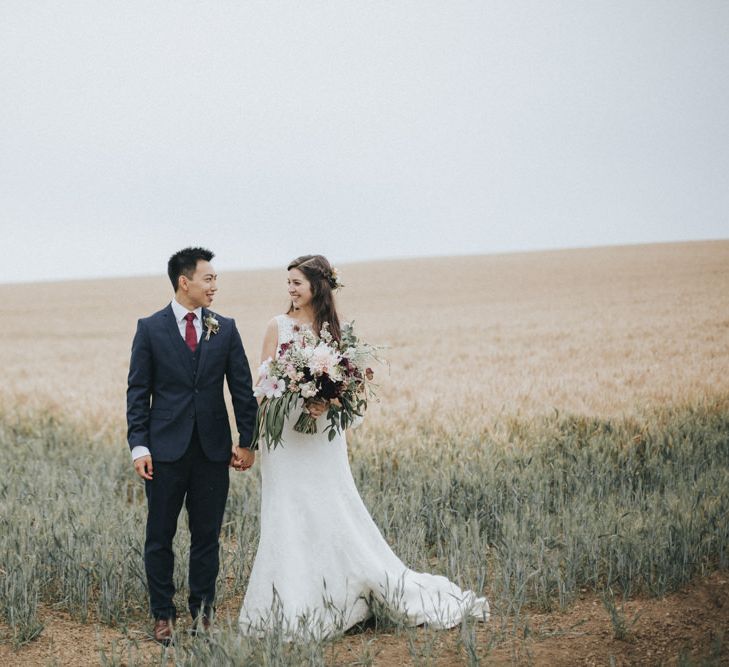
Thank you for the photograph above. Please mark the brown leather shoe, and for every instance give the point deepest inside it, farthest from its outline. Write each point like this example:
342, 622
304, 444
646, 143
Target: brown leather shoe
163, 629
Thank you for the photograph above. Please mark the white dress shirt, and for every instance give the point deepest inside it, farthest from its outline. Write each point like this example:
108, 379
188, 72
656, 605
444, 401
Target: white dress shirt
180, 312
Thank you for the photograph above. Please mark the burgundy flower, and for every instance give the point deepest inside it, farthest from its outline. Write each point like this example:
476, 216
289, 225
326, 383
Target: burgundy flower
328, 389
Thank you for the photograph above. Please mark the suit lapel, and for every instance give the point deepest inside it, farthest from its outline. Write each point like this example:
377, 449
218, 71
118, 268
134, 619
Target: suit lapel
176, 340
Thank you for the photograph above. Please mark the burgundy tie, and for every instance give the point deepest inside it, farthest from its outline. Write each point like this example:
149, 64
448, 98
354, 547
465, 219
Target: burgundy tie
190, 333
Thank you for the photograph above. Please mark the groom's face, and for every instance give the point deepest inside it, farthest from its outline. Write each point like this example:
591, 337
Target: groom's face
199, 291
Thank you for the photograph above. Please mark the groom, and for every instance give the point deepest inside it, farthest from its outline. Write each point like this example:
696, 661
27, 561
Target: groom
179, 433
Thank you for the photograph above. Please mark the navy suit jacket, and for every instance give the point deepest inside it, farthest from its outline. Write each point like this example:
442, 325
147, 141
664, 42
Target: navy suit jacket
167, 396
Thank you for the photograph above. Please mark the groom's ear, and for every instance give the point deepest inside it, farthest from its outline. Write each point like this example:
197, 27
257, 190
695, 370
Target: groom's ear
182, 283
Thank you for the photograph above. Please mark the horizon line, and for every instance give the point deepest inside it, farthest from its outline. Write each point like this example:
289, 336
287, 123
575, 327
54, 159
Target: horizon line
373, 260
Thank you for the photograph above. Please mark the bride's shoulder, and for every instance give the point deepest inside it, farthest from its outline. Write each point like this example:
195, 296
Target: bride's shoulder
273, 323
276, 324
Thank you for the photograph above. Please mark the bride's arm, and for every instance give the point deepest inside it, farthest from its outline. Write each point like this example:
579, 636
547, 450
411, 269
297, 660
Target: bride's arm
270, 345
243, 458
270, 341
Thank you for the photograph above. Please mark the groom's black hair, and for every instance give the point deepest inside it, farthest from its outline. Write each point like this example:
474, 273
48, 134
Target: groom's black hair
184, 262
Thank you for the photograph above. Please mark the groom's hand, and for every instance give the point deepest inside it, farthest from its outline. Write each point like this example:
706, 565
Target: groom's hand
143, 466
242, 458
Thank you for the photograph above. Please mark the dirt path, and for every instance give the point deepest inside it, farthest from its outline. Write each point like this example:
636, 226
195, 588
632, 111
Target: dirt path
693, 623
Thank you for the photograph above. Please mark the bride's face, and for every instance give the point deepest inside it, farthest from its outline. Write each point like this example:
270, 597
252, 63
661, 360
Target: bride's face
299, 289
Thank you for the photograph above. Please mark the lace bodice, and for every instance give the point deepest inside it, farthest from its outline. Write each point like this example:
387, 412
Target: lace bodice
285, 328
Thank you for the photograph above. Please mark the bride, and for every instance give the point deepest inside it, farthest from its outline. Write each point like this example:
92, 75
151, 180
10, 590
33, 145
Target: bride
321, 558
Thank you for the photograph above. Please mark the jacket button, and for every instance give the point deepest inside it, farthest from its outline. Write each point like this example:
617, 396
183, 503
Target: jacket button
197, 391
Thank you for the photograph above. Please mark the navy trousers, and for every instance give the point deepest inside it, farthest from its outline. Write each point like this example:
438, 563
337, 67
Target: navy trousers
203, 486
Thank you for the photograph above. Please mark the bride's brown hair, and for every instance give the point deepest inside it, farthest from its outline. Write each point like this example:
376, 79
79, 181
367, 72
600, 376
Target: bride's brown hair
318, 271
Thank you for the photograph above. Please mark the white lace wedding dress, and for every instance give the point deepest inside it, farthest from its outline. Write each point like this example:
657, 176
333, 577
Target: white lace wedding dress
320, 555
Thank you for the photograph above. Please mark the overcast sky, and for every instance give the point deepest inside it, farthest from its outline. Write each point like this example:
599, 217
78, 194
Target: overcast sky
361, 130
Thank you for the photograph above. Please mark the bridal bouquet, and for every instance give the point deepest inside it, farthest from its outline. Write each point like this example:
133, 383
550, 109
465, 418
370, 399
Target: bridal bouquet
311, 367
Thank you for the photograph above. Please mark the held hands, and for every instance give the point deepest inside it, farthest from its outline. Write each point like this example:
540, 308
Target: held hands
241, 459
143, 466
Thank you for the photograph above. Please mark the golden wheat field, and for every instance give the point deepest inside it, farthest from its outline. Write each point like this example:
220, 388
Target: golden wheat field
477, 349
601, 331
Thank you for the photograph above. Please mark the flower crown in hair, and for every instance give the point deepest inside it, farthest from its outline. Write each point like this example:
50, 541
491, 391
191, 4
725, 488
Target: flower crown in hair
334, 279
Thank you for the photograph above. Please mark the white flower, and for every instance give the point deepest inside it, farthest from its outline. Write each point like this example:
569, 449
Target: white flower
264, 368
336, 279
322, 360
262, 387
212, 325
324, 334
270, 387
308, 390
278, 388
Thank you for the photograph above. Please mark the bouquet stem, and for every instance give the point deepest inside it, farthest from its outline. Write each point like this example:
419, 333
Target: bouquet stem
305, 424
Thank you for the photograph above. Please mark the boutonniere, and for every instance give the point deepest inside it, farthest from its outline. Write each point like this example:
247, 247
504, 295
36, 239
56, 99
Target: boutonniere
212, 325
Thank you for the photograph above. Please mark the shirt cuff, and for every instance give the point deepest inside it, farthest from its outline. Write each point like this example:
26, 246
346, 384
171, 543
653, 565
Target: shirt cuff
139, 451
